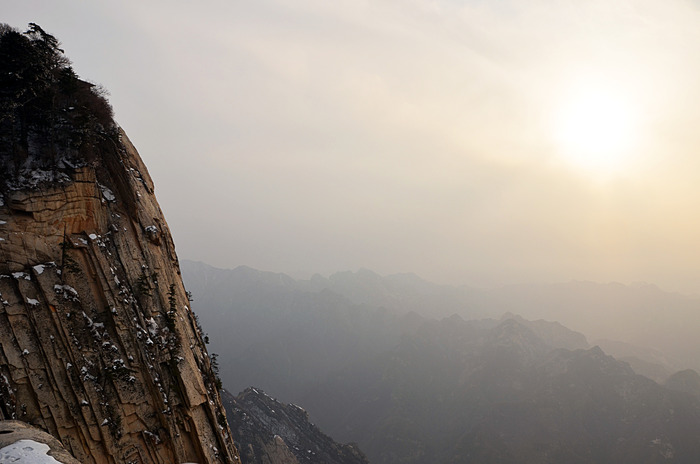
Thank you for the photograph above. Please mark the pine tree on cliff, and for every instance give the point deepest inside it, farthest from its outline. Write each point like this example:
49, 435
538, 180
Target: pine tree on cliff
46, 111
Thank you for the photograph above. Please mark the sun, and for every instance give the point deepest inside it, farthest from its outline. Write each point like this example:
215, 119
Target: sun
594, 129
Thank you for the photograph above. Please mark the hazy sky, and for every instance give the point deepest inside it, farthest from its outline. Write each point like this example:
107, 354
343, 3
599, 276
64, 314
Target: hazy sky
478, 142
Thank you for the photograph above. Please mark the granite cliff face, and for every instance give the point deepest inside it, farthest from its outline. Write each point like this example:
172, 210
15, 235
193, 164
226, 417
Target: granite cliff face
98, 344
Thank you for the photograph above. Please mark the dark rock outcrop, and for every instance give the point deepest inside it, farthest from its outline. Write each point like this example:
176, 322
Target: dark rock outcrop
268, 431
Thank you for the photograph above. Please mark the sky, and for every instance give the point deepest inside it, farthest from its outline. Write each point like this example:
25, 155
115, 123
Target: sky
471, 142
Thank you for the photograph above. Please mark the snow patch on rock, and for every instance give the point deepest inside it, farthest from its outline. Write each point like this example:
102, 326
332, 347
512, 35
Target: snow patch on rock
27, 451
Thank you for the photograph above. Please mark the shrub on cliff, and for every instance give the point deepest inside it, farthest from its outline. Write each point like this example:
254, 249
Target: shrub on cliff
48, 116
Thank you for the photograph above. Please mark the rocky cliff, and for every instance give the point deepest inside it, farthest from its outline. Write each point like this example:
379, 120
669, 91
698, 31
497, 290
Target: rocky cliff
98, 344
270, 432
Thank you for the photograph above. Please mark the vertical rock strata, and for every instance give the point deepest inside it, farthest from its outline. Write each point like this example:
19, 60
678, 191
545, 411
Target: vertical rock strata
98, 344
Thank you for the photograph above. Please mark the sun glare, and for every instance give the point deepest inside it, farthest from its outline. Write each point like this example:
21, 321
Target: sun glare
594, 130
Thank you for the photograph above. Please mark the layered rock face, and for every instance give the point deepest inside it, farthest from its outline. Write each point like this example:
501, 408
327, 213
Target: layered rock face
98, 345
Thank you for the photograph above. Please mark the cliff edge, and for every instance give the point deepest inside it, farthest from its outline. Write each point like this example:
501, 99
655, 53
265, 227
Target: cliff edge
98, 344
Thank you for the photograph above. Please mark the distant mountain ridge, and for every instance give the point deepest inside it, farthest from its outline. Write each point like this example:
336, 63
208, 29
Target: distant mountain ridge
653, 329
409, 388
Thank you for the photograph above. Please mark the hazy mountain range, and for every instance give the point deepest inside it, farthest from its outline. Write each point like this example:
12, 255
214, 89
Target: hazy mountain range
642, 324
376, 361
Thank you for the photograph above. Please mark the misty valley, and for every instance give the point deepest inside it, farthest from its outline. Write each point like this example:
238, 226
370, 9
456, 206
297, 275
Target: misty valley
414, 372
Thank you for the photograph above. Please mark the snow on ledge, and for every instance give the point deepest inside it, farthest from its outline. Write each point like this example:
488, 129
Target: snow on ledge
26, 452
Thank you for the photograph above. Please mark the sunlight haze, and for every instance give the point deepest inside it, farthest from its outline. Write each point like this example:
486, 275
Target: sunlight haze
471, 142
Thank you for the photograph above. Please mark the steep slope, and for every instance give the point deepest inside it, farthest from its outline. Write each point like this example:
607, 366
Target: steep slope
271, 432
98, 345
